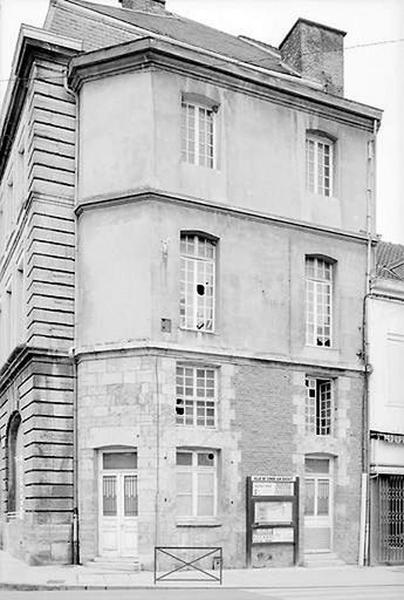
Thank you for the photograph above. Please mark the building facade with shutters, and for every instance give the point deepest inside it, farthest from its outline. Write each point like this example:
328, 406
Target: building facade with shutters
386, 406
203, 199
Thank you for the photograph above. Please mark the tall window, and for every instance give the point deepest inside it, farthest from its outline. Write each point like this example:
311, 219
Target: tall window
197, 296
196, 396
15, 466
318, 409
319, 165
319, 274
196, 483
198, 135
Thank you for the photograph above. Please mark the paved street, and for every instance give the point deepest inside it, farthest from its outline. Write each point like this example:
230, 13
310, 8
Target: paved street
388, 592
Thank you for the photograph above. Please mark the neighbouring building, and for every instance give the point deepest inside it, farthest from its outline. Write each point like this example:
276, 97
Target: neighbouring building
185, 244
385, 316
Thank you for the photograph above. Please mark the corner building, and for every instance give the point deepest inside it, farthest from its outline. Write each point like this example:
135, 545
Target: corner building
221, 259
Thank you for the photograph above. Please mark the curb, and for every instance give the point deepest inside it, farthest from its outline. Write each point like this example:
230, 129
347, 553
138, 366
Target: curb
28, 587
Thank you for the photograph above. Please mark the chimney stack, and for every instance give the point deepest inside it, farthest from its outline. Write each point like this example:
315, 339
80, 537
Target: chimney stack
317, 52
144, 5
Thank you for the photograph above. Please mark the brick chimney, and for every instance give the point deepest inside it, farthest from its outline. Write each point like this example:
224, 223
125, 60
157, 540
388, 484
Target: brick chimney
317, 52
144, 5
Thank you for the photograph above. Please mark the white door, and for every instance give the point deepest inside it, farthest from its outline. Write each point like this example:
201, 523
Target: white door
318, 505
118, 505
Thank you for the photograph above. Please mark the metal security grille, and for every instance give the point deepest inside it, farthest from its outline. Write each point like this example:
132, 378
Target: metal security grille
391, 514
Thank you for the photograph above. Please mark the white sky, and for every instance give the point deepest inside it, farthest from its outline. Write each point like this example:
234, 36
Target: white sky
373, 74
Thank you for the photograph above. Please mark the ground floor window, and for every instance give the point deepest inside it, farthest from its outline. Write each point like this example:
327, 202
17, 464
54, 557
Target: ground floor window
196, 483
317, 486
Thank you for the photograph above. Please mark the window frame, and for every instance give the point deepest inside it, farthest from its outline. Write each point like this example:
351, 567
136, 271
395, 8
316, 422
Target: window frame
195, 470
189, 304
317, 477
194, 398
206, 159
319, 286
319, 419
313, 185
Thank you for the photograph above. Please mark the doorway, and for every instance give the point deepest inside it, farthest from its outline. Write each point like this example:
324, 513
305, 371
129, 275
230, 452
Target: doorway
118, 505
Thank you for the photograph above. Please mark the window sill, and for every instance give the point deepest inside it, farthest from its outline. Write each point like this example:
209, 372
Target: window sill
199, 331
198, 522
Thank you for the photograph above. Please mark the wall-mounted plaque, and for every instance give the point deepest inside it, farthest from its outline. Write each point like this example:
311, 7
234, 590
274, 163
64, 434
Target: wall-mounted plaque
272, 488
273, 512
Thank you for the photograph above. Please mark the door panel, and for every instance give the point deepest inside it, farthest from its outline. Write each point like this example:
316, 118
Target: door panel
109, 532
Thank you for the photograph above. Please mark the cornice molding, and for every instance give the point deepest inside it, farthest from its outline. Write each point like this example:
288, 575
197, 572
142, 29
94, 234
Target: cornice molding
153, 195
145, 347
149, 53
21, 356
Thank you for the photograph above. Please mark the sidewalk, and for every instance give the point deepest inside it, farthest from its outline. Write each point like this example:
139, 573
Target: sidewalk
15, 574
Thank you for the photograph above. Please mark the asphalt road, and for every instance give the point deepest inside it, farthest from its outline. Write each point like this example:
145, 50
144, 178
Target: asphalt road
336, 593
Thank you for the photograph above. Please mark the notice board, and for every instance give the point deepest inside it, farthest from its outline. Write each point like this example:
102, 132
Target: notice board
272, 512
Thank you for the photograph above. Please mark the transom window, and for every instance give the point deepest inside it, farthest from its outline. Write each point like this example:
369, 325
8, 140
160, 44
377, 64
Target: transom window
319, 274
196, 483
196, 396
319, 165
197, 294
318, 408
198, 135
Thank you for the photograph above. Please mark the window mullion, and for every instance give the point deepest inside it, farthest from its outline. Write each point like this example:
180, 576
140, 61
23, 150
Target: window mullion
195, 395
194, 485
315, 311
196, 138
315, 167
315, 495
195, 295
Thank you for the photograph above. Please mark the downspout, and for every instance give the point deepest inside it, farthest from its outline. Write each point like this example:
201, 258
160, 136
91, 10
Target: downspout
75, 517
157, 495
365, 488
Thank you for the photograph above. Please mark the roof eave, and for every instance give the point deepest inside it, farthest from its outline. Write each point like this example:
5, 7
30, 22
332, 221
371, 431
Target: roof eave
101, 63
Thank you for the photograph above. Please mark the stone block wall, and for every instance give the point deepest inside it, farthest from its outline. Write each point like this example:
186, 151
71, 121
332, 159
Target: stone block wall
127, 399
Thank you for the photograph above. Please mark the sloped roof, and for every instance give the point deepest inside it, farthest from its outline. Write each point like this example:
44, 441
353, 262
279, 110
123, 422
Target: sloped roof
193, 33
390, 261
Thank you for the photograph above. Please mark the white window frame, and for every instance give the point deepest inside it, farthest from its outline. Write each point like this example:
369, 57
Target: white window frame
196, 148
195, 469
319, 288
197, 312
318, 478
316, 167
319, 406
196, 395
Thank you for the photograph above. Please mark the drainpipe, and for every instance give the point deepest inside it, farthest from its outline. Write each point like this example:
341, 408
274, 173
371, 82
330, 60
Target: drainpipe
75, 524
75, 516
157, 495
364, 540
